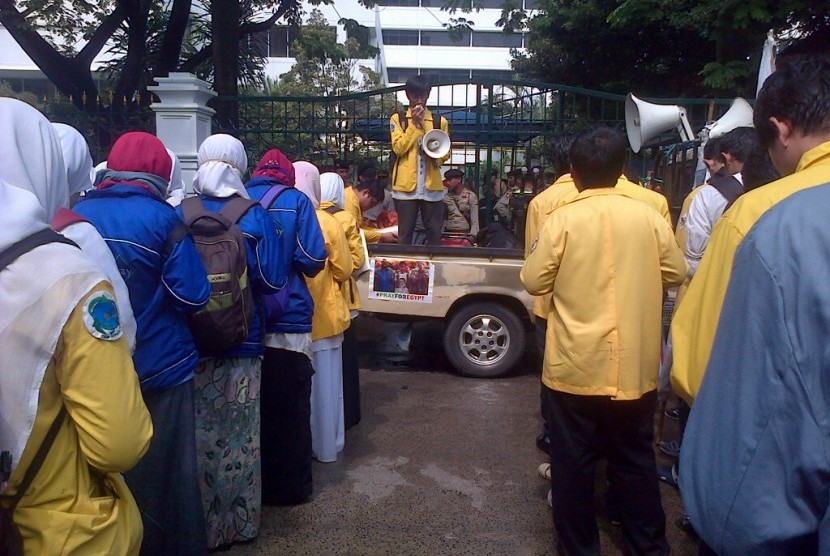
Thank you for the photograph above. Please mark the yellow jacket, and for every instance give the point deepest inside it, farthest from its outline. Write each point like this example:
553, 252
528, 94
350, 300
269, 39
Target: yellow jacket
696, 319
349, 226
331, 316
353, 207
405, 144
564, 191
606, 259
78, 503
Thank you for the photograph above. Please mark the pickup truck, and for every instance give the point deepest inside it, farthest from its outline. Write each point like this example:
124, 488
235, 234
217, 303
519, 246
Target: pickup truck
476, 291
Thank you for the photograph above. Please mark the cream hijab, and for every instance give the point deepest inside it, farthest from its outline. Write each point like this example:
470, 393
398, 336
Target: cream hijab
331, 190
222, 162
308, 181
76, 158
175, 191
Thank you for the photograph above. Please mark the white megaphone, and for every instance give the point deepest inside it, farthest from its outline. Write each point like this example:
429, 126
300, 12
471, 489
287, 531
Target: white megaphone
738, 115
436, 143
645, 121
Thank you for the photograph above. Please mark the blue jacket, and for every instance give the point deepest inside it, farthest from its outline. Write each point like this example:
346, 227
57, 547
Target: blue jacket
137, 225
755, 463
303, 251
266, 267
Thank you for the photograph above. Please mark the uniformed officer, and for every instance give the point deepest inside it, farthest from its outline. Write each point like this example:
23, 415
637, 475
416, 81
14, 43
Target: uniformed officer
461, 204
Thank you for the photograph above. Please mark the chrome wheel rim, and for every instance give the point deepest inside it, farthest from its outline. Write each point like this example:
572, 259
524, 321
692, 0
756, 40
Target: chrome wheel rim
484, 340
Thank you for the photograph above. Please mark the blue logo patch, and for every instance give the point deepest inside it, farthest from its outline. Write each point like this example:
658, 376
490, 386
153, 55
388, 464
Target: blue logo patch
101, 317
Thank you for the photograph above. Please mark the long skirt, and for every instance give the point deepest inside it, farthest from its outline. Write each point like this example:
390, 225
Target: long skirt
165, 483
286, 424
227, 447
328, 434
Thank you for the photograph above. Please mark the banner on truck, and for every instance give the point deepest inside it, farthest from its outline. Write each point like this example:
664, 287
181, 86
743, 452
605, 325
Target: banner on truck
401, 280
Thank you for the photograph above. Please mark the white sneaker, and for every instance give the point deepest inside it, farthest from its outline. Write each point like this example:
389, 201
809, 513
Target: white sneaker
544, 471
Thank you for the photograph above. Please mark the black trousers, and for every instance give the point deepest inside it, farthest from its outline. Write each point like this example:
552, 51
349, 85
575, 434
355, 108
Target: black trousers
583, 430
432, 215
351, 377
285, 401
541, 329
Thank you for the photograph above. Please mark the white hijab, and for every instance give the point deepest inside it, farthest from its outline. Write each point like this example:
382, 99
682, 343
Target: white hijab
31, 165
307, 180
175, 191
76, 158
331, 190
93, 174
222, 162
39, 290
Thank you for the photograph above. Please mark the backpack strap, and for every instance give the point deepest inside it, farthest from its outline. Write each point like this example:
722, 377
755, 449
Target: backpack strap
236, 208
192, 209
272, 195
333, 209
402, 120
179, 233
10, 254
39, 458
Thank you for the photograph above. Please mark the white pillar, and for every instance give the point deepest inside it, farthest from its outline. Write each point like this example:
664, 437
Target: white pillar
183, 119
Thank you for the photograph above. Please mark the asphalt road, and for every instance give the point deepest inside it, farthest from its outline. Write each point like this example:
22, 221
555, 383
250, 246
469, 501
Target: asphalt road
439, 465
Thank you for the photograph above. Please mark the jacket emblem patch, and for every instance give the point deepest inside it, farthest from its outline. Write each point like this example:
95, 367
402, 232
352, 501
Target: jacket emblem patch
101, 317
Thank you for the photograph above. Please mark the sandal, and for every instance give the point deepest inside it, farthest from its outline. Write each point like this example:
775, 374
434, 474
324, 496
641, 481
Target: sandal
544, 471
669, 447
668, 475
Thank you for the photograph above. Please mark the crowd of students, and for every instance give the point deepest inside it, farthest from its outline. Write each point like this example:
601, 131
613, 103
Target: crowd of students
151, 340
747, 348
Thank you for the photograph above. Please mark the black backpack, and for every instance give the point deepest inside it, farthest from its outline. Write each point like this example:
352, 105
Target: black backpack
11, 542
226, 320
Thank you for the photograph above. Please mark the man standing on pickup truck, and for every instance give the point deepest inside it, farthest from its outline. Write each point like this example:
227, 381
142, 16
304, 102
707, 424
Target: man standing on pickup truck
603, 345
416, 178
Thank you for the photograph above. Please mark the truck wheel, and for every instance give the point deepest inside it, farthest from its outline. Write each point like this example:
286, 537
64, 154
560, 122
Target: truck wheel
484, 340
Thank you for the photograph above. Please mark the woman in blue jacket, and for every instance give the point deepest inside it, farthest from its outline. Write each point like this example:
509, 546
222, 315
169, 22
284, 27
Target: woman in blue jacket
227, 383
287, 369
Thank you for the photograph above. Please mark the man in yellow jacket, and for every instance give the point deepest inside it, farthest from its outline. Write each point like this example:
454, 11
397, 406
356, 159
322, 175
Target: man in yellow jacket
792, 118
606, 259
416, 178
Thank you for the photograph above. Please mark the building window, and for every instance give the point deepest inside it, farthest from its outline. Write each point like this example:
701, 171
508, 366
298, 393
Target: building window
404, 3
258, 43
280, 39
400, 75
399, 37
497, 39
445, 38
497, 75
445, 75
532, 5
490, 4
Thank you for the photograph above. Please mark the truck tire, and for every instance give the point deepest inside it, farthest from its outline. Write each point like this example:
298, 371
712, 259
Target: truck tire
484, 339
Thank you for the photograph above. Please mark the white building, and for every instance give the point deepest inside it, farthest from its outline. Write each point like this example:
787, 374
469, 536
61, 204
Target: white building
414, 39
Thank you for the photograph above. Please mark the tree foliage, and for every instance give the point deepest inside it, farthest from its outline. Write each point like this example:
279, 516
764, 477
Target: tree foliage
658, 47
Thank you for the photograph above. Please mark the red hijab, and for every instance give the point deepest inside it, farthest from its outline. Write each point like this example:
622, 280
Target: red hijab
274, 164
138, 151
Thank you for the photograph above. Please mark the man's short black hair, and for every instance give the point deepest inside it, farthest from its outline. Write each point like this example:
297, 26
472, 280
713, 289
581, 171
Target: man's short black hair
417, 85
712, 151
798, 91
597, 156
558, 148
453, 173
373, 186
758, 169
739, 142
367, 170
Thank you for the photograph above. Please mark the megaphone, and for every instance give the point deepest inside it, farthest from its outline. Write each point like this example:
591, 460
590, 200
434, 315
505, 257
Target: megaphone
645, 121
738, 115
436, 143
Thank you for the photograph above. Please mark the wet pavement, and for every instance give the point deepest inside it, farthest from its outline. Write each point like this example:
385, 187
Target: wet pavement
439, 465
